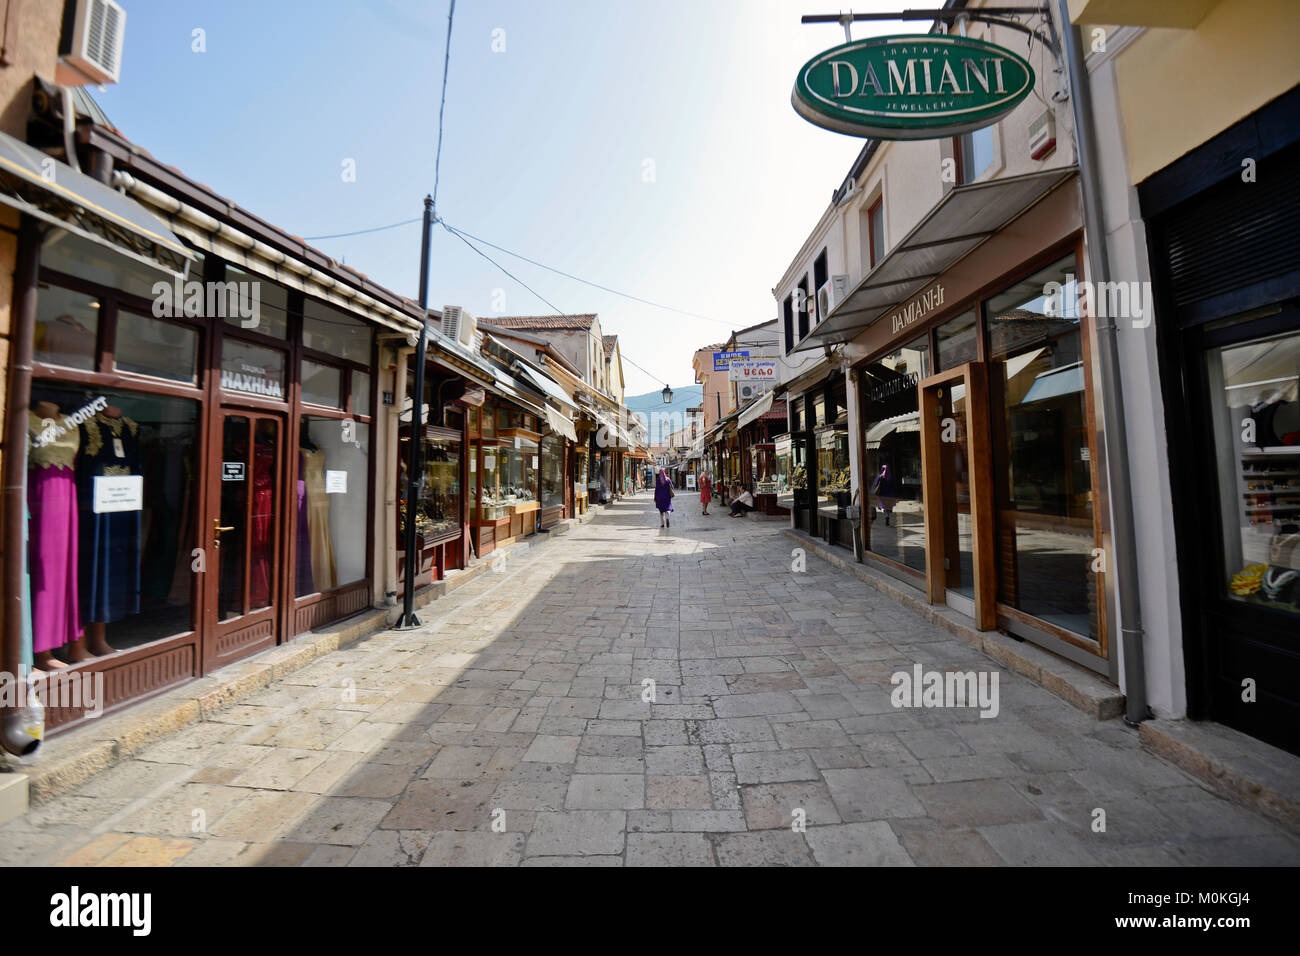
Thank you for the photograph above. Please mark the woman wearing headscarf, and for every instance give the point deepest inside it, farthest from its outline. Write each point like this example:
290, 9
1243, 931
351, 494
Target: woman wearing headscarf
664, 497
886, 492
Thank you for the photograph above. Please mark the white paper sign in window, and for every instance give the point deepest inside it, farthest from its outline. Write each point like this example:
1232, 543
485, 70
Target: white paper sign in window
336, 482
118, 493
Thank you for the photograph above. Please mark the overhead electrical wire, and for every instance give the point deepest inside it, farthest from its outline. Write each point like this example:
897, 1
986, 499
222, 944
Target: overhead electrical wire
540, 265
362, 232
595, 285
557, 310
442, 106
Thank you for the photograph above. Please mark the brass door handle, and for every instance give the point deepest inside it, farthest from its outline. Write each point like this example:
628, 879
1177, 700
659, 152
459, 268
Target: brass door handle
217, 528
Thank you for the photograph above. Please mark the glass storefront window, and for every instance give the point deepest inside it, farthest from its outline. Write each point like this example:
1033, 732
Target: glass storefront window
519, 472
493, 498
552, 472
361, 393
330, 497
782, 467
834, 486
1042, 458
439, 513
957, 341
580, 473
255, 304
892, 442
252, 368
111, 492
1255, 409
67, 324
334, 332
321, 384
149, 346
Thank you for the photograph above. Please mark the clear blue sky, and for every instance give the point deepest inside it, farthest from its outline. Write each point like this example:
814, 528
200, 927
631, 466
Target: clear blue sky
544, 151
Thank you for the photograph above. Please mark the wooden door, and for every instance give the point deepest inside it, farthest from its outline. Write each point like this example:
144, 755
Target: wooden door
243, 528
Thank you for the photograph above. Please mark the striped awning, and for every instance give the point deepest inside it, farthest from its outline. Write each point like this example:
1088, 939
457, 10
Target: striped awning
559, 423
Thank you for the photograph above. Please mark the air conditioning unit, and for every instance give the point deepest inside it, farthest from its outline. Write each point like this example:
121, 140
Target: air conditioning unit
748, 392
459, 324
831, 294
90, 45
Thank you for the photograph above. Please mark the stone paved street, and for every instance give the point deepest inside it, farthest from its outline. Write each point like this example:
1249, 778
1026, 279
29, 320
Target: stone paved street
520, 703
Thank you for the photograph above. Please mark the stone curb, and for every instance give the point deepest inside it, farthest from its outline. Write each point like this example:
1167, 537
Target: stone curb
1075, 685
1239, 768
69, 761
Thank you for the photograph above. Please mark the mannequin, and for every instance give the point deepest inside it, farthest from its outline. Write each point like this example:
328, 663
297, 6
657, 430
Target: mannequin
305, 582
318, 520
111, 549
52, 537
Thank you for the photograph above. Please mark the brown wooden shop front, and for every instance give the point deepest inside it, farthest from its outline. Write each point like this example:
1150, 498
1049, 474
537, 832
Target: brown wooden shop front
206, 471
521, 479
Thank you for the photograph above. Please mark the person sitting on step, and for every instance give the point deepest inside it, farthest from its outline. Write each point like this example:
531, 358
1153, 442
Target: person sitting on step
742, 502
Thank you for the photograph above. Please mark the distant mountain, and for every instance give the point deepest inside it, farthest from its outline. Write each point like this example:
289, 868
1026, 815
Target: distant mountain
665, 419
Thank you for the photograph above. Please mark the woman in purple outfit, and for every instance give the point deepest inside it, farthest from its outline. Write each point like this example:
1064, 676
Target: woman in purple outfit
664, 497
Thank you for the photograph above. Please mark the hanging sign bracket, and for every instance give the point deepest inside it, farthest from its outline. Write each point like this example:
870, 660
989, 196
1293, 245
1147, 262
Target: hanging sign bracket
999, 16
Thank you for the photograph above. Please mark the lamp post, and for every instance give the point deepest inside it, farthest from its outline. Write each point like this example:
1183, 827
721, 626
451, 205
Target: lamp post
413, 468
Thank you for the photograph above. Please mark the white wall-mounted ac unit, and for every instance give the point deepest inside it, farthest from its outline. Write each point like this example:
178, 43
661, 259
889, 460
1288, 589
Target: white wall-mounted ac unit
90, 48
748, 392
459, 324
831, 294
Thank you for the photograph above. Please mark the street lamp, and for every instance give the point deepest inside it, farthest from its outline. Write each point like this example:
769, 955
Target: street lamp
668, 395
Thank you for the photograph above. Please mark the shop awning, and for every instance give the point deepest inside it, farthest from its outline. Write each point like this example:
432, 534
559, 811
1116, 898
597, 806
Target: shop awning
542, 381
755, 410
559, 423
1055, 383
512, 389
899, 424
35, 183
963, 219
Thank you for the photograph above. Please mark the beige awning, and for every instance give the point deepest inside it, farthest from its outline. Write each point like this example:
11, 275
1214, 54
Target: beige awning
560, 424
758, 408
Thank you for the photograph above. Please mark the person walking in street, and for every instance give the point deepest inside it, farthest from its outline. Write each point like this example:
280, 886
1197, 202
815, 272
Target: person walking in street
706, 492
742, 502
886, 493
664, 498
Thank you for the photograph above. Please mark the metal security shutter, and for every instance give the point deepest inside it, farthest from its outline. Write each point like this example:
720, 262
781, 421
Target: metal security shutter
1236, 234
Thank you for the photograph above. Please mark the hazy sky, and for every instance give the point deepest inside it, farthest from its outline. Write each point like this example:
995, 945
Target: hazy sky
648, 146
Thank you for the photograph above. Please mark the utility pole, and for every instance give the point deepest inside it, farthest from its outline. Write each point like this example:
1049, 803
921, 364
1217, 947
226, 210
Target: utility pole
415, 465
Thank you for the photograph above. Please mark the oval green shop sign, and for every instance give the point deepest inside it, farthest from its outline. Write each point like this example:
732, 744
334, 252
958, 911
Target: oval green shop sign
911, 87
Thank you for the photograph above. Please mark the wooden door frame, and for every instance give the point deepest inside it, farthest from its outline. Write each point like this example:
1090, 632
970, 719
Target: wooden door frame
210, 624
979, 448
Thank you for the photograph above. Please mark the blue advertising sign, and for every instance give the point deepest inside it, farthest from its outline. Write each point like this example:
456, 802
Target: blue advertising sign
722, 360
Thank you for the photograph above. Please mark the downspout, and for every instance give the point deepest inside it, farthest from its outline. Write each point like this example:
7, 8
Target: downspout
1112, 387
15, 474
